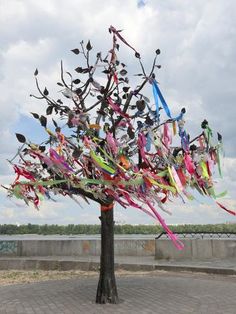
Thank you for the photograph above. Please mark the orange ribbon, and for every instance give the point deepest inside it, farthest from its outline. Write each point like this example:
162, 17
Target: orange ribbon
107, 207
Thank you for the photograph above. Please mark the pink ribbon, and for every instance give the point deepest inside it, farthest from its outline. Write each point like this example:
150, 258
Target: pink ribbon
178, 244
189, 164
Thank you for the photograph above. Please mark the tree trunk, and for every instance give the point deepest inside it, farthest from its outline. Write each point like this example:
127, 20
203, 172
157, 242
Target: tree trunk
106, 290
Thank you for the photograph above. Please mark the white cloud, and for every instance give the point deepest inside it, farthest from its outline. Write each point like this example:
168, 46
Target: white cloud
198, 45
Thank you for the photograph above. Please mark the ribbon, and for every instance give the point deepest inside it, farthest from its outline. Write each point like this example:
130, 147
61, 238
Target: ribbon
174, 127
118, 110
107, 207
181, 176
101, 163
162, 186
179, 117
178, 184
208, 134
148, 142
166, 135
43, 183
200, 140
157, 94
117, 33
112, 143
22, 172
189, 164
178, 244
142, 141
59, 160
227, 210
211, 191
219, 163
205, 173
124, 162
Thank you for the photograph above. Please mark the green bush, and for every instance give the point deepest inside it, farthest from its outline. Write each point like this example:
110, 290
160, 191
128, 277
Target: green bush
119, 229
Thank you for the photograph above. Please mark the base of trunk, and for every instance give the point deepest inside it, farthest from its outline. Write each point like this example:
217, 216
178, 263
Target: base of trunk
106, 291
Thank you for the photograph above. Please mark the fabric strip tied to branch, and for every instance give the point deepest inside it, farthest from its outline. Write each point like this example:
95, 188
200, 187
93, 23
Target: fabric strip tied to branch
158, 95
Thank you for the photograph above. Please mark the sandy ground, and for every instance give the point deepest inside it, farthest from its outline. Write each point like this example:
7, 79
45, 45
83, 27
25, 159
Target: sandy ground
18, 277
12, 277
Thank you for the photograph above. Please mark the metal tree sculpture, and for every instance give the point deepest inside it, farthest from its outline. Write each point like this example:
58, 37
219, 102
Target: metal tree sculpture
113, 148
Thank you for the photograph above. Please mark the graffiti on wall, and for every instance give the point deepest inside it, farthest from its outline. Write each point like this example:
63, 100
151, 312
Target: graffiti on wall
7, 247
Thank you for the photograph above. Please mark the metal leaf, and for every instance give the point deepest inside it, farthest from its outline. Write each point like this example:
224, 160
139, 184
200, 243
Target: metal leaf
76, 51
43, 121
20, 138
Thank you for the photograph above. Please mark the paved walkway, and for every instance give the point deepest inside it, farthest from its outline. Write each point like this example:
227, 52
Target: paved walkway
153, 293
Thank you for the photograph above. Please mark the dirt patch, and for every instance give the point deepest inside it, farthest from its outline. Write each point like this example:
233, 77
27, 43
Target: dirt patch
19, 277
22, 277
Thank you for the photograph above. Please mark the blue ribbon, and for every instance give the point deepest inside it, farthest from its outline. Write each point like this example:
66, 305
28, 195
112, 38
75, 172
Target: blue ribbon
157, 94
149, 142
184, 139
179, 117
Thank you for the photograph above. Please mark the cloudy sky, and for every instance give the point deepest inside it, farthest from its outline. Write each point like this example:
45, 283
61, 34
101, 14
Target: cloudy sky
198, 44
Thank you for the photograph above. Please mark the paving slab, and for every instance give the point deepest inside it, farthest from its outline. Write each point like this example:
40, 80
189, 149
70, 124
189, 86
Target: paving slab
158, 292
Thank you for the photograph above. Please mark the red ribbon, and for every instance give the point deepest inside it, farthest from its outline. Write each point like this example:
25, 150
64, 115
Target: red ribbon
227, 210
117, 33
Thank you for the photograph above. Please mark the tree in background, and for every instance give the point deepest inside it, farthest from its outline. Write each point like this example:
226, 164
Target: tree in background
110, 144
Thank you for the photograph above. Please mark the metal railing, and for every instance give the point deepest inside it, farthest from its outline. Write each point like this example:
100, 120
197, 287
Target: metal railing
202, 235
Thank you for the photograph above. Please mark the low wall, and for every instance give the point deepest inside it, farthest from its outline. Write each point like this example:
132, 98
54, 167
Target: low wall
122, 247
195, 249
162, 248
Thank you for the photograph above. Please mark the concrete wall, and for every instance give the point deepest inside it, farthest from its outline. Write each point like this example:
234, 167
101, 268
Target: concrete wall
195, 249
161, 248
140, 247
